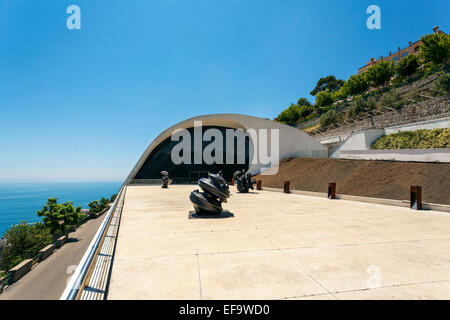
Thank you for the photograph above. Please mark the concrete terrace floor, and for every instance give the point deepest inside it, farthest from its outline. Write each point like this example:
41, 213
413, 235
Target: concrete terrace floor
278, 246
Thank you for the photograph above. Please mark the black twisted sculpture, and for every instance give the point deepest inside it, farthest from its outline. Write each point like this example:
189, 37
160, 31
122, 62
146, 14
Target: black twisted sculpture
215, 191
243, 181
165, 179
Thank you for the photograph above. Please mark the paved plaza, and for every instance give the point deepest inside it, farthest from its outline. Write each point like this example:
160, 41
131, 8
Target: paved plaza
278, 246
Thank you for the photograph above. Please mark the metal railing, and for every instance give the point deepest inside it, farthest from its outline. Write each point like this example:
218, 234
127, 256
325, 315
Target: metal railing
36, 259
88, 266
6, 281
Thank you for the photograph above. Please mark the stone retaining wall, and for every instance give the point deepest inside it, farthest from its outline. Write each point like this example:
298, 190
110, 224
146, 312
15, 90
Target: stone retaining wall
422, 84
432, 109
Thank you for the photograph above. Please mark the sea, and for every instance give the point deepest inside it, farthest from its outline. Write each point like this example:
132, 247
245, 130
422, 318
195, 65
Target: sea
20, 201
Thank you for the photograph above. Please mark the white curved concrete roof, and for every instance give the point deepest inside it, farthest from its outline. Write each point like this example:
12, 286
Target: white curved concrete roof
293, 142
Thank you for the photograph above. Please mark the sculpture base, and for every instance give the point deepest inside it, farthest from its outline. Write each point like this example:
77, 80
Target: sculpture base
222, 215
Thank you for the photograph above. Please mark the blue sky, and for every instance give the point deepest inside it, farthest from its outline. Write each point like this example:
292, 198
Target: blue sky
82, 105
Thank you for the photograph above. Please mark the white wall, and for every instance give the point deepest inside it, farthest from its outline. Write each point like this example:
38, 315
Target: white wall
428, 125
361, 140
358, 143
418, 155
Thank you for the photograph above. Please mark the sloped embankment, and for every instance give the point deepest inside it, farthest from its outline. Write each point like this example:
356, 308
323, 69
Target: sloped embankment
378, 179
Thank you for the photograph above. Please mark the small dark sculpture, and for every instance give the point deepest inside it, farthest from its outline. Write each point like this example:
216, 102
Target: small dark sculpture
243, 181
165, 179
215, 191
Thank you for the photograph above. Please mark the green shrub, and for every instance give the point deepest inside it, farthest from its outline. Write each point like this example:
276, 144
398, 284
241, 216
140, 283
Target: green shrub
324, 99
412, 95
296, 113
24, 241
341, 94
444, 82
356, 84
407, 66
391, 99
379, 74
96, 206
420, 139
371, 103
361, 105
289, 116
305, 111
328, 118
435, 49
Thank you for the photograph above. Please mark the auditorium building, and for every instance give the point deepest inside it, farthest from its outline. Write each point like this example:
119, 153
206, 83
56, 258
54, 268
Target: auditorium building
282, 140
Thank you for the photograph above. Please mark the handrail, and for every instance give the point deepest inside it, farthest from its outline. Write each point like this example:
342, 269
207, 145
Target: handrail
78, 278
36, 258
5, 280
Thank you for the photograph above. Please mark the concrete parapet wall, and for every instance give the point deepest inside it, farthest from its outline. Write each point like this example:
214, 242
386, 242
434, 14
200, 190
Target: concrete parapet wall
424, 125
416, 155
145, 182
361, 140
61, 241
46, 252
21, 269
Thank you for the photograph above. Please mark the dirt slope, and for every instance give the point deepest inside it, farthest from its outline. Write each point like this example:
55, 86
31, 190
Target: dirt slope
378, 179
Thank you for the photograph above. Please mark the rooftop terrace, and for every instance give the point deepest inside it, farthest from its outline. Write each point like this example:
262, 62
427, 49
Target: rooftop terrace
277, 246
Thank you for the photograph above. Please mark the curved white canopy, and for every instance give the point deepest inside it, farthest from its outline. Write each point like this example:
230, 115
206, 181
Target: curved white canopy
293, 142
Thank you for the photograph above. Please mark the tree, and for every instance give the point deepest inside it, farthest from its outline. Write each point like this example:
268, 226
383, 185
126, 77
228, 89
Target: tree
380, 73
104, 202
98, 206
341, 94
329, 83
24, 241
324, 99
289, 116
303, 102
113, 198
94, 207
356, 84
407, 66
305, 111
296, 112
53, 213
435, 48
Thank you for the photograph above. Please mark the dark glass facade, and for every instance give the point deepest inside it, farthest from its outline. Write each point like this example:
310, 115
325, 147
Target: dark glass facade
160, 159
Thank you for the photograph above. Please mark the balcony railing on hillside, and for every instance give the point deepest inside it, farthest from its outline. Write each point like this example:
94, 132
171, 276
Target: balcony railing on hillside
91, 278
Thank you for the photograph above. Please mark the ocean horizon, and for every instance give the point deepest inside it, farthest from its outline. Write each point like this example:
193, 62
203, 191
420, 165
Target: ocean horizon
19, 201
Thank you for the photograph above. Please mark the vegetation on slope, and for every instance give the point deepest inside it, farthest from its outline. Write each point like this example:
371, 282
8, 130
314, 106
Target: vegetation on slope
337, 100
420, 139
